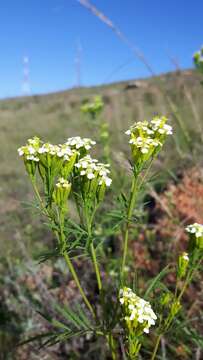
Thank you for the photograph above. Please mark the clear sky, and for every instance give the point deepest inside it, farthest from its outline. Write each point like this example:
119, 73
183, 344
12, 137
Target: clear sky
48, 31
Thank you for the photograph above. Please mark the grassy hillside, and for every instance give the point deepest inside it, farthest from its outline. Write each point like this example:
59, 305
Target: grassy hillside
55, 117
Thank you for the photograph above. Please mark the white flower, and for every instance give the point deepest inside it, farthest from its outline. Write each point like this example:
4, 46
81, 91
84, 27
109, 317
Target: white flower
90, 176
196, 229
84, 164
63, 184
107, 181
43, 150
185, 256
77, 142
33, 158
128, 132
91, 168
21, 151
30, 150
48, 148
136, 310
63, 152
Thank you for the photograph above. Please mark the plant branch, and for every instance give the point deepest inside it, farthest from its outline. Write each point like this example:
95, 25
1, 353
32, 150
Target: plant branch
129, 216
156, 347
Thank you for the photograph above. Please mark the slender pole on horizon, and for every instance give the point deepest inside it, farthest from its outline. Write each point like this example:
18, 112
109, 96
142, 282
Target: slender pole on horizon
26, 89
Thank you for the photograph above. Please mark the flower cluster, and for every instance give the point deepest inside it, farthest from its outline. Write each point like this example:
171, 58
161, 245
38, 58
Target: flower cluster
159, 126
51, 160
198, 59
146, 138
35, 149
196, 234
65, 160
93, 108
138, 314
30, 150
61, 151
77, 142
196, 229
92, 169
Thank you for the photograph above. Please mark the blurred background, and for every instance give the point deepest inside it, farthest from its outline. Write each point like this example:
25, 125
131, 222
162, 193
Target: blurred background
137, 57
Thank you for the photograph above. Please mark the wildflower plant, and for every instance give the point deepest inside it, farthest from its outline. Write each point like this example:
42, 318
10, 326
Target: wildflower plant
198, 60
187, 265
146, 141
64, 175
93, 110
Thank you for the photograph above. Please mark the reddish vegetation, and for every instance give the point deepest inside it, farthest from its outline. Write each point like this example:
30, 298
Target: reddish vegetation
185, 206
180, 204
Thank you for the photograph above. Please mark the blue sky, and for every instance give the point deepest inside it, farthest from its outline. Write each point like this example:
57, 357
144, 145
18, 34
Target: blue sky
48, 32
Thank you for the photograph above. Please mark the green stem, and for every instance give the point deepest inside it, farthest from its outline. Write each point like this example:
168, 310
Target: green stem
96, 267
188, 279
78, 208
111, 343
90, 244
38, 196
75, 277
92, 249
129, 215
70, 265
156, 347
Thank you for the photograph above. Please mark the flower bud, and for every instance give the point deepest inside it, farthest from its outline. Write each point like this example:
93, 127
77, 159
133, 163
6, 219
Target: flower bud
175, 308
165, 299
183, 262
61, 193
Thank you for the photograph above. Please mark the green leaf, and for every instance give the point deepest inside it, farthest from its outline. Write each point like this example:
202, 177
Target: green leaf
154, 281
35, 338
60, 325
71, 317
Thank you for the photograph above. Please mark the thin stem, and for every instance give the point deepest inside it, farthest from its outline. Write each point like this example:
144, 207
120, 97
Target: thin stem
188, 279
156, 347
75, 277
134, 190
70, 265
145, 174
96, 267
43, 208
89, 220
129, 215
78, 208
111, 343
